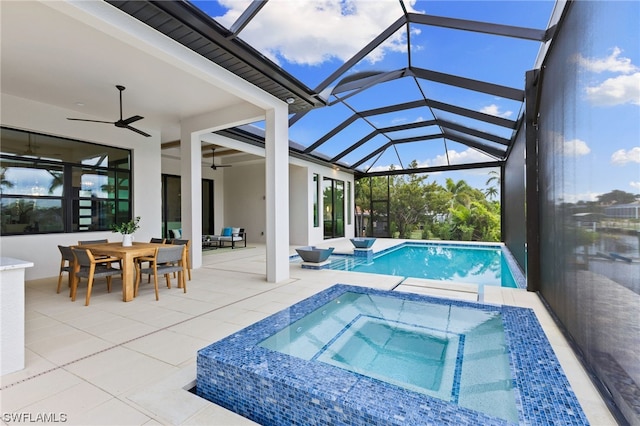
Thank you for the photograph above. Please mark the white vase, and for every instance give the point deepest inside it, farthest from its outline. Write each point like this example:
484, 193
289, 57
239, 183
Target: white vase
127, 240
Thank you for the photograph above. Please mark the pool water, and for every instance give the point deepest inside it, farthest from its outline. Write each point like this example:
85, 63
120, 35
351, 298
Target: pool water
454, 353
478, 265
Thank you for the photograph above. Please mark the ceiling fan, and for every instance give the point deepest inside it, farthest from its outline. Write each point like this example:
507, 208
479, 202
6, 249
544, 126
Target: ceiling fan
125, 124
213, 160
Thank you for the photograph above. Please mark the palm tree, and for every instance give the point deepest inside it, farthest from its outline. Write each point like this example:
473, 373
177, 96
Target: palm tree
4, 182
494, 176
459, 192
491, 191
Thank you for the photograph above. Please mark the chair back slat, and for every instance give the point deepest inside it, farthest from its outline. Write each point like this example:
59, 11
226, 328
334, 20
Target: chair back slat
66, 252
85, 242
169, 254
157, 240
180, 242
83, 257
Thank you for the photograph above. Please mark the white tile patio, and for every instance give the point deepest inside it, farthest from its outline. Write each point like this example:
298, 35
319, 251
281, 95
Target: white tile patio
115, 363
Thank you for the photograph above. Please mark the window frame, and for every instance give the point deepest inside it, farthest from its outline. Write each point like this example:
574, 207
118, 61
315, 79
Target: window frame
71, 198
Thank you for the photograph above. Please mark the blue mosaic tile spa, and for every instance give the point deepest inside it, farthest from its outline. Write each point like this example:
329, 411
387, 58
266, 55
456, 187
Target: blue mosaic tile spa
359, 356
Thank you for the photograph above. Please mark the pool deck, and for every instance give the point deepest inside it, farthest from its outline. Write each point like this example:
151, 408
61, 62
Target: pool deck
132, 363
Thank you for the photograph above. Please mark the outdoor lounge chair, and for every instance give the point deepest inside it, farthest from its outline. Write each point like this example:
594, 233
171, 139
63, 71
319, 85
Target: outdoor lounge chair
230, 235
237, 234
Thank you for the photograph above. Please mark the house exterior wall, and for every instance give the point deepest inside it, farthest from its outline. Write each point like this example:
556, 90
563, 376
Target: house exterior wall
41, 249
307, 234
244, 200
300, 210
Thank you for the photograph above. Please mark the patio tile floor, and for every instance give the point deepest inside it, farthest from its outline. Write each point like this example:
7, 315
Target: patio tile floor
132, 363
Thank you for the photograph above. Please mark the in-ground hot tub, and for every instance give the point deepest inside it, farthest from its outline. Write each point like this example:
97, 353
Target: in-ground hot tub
258, 373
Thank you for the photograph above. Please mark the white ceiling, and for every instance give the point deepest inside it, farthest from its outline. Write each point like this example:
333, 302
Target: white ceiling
49, 57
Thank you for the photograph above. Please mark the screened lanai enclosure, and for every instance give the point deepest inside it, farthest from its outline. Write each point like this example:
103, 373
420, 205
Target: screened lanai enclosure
545, 95
535, 104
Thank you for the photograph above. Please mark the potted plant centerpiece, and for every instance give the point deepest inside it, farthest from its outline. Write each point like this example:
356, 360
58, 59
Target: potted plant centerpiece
127, 229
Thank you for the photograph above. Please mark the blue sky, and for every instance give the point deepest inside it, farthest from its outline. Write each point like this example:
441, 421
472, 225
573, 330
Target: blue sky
310, 39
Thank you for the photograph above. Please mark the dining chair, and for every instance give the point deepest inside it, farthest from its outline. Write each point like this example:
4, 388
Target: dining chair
187, 244
91, 268
164, 261
66, 263
102, 241
155, 241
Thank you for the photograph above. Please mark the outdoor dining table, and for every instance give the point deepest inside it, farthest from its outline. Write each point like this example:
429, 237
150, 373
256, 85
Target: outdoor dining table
127, 255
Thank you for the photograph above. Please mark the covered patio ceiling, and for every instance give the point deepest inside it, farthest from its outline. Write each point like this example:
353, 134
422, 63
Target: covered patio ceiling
434, 89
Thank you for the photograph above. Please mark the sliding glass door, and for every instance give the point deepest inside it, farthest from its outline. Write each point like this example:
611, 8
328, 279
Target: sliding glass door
171, 205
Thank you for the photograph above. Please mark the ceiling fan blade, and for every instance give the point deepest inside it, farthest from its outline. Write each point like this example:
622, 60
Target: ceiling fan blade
137, 131
91, 121
124, 124
131, 119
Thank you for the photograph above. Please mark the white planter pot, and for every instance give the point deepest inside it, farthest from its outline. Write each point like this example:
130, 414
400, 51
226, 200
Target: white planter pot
127, 240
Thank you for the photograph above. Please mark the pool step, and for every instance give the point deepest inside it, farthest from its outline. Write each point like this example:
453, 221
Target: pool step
440, 288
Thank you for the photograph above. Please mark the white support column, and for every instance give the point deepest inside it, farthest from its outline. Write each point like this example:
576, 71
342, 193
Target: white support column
277, 194
191, 192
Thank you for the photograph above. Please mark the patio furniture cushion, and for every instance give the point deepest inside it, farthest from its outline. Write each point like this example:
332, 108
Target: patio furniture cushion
226, 232
233, 237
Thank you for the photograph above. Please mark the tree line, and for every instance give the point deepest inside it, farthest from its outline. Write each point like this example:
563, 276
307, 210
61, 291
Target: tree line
421, 209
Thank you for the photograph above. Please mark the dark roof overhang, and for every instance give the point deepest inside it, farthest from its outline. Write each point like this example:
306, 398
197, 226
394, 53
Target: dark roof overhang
195, 30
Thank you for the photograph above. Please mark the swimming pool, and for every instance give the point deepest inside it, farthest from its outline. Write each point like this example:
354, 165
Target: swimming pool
481, 264
272, 387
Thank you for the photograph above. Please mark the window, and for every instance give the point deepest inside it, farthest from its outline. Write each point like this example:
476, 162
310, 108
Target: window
333, 197
50, 184
316, 200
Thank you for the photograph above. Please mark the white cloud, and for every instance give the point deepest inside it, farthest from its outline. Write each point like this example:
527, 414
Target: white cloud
635, 185
288, 30
467, 156
612, 63
624, 88
616, 91
575, 148
622, 157
494, 109
574, 198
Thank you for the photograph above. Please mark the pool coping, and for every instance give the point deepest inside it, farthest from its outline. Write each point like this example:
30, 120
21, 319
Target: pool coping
250, 380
